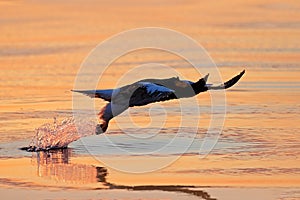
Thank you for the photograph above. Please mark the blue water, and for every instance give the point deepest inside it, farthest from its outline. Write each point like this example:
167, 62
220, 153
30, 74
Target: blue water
165, 144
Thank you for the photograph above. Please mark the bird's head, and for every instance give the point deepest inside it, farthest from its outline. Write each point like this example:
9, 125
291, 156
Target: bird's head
200, 85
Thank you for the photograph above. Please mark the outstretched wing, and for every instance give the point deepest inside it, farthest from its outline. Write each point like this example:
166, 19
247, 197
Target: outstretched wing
103, 94
147, 92
227, 84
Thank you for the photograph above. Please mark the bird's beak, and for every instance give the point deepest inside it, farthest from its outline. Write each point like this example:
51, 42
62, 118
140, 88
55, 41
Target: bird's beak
206, 78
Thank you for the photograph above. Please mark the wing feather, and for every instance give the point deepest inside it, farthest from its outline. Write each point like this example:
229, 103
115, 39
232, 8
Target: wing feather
227, 84
149, 93
103, 94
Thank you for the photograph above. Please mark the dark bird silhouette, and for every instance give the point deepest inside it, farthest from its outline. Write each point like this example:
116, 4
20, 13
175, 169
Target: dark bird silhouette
148, 91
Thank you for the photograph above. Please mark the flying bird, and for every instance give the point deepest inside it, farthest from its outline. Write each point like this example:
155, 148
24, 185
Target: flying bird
148, 91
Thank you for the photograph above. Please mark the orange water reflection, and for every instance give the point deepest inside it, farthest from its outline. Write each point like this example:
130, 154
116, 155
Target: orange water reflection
55, 165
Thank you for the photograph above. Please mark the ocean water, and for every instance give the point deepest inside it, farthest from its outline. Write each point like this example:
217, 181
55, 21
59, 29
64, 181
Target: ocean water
260, 136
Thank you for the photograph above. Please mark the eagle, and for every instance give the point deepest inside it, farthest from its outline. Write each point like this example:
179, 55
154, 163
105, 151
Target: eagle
148, 91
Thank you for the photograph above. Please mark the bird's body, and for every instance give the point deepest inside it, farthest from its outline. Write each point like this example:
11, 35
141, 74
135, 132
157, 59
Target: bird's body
148, 91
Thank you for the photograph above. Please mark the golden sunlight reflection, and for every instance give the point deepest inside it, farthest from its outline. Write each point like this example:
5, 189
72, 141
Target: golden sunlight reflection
55, 165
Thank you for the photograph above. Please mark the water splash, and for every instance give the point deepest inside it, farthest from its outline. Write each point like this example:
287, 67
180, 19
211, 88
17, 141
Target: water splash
58, 135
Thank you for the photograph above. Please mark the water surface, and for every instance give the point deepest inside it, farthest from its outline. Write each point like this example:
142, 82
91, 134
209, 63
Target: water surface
258, 150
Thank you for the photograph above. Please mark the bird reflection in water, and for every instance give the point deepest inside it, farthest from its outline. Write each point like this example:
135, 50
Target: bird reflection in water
55, 165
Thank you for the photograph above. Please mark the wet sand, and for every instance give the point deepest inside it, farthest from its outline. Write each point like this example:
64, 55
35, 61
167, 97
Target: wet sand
42, 45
